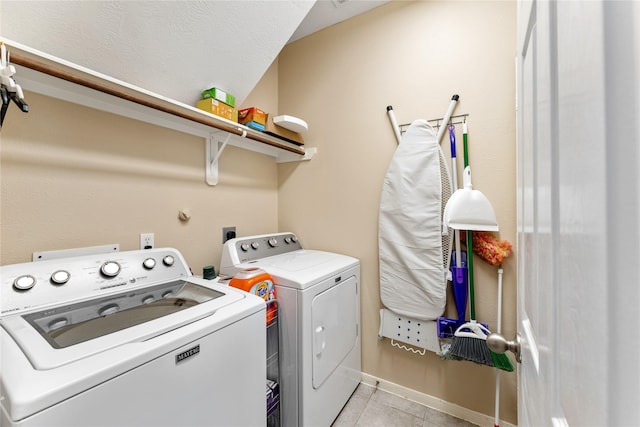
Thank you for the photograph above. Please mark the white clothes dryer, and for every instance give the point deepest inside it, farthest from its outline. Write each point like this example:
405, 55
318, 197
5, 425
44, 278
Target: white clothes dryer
318, 297
128, 339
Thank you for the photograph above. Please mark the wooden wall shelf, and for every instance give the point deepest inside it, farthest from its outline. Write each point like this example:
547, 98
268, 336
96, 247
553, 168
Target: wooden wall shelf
45, 74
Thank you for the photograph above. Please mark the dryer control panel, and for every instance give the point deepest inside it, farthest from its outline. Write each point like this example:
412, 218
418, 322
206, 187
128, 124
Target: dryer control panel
246, 249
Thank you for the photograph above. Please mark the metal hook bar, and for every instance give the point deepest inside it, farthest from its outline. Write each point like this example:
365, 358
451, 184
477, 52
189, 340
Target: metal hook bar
438, 121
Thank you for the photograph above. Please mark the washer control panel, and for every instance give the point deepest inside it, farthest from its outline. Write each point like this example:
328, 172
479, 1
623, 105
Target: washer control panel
34, 285
244, 249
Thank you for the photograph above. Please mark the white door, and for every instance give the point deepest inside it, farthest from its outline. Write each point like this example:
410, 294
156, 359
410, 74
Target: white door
578, 65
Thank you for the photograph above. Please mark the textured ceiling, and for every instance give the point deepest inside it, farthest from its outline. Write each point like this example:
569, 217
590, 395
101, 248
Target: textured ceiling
329, 12
173, 48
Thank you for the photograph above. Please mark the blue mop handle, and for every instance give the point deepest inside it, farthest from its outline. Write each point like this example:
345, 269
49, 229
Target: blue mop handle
454, 171
452, 140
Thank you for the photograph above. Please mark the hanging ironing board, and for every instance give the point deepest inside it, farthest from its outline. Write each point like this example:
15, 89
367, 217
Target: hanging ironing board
414, 246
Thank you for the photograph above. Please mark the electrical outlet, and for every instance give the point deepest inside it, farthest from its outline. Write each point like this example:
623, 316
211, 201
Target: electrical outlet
228, 233
146, 241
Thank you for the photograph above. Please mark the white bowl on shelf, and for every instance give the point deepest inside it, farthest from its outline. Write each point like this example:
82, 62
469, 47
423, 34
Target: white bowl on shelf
294, 124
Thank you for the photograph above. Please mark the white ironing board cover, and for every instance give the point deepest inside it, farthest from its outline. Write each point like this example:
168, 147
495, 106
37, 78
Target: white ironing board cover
412, 277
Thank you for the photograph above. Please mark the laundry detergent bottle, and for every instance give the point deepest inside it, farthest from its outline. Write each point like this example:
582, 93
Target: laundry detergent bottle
258, 282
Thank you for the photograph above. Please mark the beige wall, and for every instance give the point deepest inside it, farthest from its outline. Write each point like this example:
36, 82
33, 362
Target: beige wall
413, 55
72, 176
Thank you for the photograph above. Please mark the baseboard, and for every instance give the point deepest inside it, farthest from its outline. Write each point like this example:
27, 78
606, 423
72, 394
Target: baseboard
432, 402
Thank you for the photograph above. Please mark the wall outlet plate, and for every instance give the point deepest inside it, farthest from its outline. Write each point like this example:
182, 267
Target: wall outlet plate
146, 241
228, 233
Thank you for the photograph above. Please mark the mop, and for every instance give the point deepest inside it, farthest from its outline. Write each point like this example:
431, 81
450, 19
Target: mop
447, 326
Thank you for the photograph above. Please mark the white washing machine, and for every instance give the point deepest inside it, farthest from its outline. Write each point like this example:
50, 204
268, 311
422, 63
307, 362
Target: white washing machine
318, 297
128, 339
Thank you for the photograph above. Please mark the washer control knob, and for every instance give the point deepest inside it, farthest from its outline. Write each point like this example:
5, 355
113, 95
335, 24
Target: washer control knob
108, 309
149, 263
168, 260
167, 294
60, 277
244, 247
58, 323
294, 239
24, 282
255, 245
148, 299
110, 269
273, 242
287, 240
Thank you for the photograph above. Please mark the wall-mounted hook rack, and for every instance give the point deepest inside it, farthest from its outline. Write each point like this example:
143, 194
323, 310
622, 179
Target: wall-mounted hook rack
454, 120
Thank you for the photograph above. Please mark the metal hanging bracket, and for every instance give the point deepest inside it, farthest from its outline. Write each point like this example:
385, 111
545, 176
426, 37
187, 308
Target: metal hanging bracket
9, 89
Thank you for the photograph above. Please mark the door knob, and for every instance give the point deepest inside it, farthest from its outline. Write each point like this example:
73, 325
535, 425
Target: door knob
499, 344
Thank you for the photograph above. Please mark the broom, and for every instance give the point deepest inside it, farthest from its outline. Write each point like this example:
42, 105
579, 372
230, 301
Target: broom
470, 339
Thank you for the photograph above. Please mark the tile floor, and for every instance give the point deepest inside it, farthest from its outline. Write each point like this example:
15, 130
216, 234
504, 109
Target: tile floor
369, 407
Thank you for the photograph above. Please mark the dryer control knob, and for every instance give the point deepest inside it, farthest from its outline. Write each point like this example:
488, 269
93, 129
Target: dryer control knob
168, 260
255, 245
110, 269
24, 282
287, 240
294, 239
149, 263
244, 247
273, 242
60, 277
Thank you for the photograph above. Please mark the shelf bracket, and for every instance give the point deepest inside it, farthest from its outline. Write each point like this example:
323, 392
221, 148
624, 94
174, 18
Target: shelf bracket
214, 151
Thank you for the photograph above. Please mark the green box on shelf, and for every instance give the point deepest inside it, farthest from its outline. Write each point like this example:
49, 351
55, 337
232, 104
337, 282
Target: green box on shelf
220, 95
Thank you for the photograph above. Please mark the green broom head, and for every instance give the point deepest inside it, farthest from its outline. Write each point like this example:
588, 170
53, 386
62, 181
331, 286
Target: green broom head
502, 361
470, 343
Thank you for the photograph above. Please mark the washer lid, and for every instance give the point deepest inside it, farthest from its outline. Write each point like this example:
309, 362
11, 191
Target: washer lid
66, 333
72, 324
